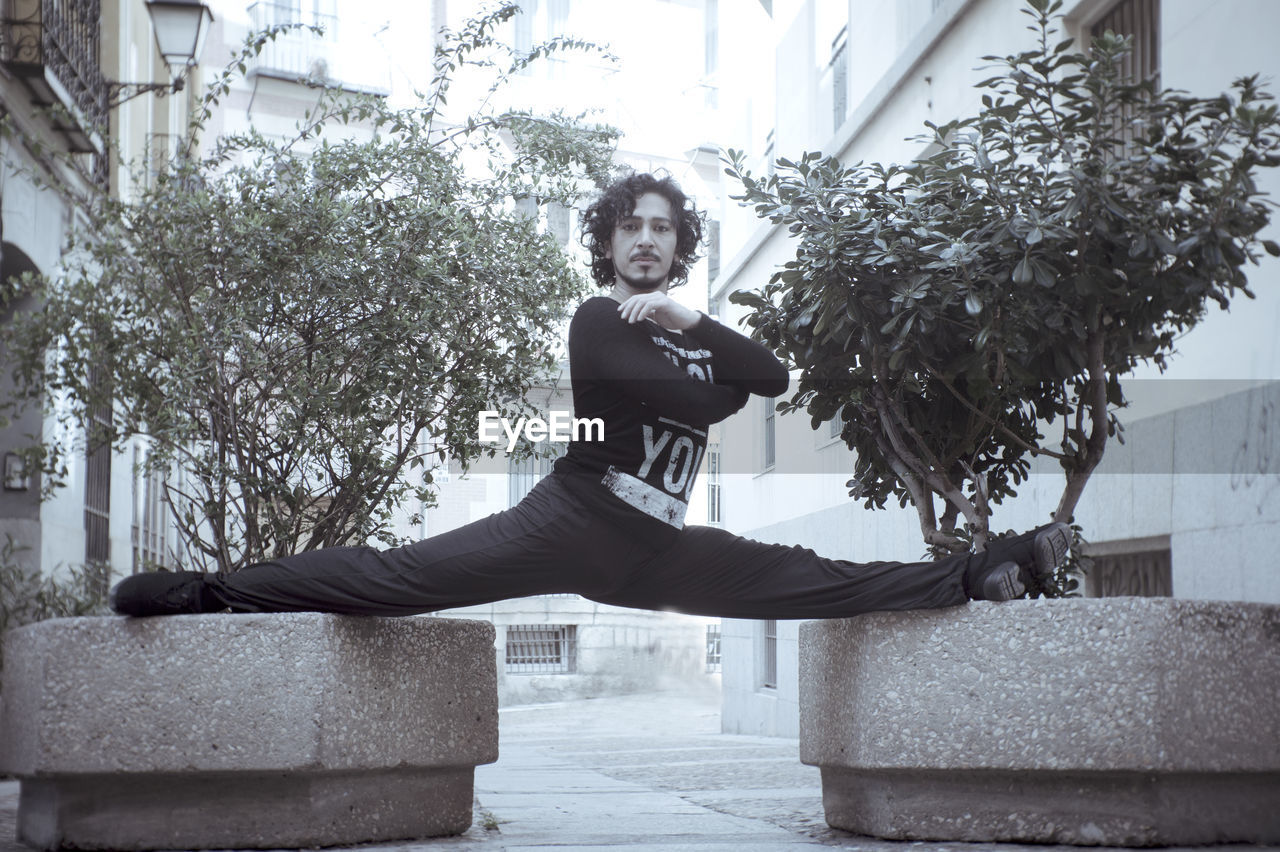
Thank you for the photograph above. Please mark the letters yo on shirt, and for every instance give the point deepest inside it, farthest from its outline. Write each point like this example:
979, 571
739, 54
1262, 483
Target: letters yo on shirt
657, 391
673, 451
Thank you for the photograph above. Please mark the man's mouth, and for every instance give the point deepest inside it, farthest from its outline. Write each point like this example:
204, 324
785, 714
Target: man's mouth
644, 257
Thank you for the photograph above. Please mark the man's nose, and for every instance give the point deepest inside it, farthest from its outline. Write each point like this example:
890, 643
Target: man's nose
645, 237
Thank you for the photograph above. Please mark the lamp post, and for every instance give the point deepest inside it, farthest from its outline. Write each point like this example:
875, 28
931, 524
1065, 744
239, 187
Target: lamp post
180, 27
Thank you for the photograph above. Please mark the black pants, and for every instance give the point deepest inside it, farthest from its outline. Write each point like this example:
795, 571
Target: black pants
553, 543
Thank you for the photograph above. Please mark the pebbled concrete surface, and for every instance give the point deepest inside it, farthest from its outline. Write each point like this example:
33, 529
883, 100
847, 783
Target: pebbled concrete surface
645, 773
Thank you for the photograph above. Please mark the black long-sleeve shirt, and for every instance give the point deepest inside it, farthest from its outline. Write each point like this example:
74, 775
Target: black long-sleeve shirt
656, 392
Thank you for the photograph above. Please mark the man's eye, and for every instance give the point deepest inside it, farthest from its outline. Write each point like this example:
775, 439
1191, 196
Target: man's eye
663, 228
627, 226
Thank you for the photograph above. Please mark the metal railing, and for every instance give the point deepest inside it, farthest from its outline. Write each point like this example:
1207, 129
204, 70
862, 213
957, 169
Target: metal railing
322, 47
54, 44
542, 649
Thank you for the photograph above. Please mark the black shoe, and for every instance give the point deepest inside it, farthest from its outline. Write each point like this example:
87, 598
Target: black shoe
1001, 583
1040, 552
160, 593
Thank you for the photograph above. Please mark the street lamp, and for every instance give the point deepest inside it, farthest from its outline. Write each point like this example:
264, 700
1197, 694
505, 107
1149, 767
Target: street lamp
180, 27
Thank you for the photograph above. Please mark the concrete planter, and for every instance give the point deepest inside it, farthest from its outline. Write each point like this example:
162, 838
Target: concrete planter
246, 731
1118, 722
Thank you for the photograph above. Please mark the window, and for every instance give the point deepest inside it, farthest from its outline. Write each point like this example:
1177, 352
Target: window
97, 491
711, 52
1139, 19
151, 519
770, 418
711, 42
769, 655
713, 648
523, 474
713, 250
831, 54
523, 42
160, 150
435, 459
557, 17
558, 222
835, 425
1146, 573
714, 518
542, 649
840, 78
527, 206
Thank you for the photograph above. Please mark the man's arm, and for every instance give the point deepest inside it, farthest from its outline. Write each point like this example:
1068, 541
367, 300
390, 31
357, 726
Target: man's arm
608, 348
739, 359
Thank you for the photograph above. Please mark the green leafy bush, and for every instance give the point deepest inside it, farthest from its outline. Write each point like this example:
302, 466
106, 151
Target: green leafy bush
304, 326
975, 308
26, 598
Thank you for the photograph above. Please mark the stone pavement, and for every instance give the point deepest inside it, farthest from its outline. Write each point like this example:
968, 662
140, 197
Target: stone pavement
645, 773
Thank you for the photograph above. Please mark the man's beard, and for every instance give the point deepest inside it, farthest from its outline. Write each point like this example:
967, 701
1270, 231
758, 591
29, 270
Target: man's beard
642, 284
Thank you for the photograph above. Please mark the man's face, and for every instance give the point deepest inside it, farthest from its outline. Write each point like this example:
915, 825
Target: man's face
644, 245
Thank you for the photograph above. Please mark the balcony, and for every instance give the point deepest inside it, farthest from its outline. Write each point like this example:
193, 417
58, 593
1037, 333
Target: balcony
51, 46
345, 54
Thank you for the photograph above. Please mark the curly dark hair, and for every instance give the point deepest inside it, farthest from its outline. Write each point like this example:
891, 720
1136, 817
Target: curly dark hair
619, 201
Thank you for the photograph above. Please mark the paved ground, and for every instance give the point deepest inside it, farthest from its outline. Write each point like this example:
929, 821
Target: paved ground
649, 773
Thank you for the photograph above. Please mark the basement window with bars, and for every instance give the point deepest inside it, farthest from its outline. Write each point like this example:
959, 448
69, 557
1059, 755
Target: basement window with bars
542, 649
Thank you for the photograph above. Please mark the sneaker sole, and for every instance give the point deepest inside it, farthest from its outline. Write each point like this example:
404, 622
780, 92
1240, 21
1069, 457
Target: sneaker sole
1003, 583
1052, 546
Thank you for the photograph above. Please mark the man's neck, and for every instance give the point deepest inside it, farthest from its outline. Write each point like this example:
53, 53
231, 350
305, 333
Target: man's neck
621, 291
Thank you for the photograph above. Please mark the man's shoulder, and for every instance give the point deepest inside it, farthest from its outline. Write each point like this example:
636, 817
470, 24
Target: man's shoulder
596, 312
597, 306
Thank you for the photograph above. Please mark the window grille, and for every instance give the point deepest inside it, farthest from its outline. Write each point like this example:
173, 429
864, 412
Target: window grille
713, 647
97, 486
769, 668
151, 519
1146, 574
1139, 19
542, 649
523, 474
840, 78
835, 425
770, 449
713, 250
714, 518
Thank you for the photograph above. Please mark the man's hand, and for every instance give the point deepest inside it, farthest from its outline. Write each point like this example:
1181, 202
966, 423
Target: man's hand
660, 308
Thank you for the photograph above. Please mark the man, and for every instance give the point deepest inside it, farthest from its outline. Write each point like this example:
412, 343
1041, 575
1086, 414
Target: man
608, 523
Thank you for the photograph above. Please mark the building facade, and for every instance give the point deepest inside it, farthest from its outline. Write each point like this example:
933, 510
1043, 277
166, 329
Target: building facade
1186, 507
83, 88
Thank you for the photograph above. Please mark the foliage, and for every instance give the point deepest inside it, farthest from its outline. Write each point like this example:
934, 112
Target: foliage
26, 598
953, 307
304, 326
